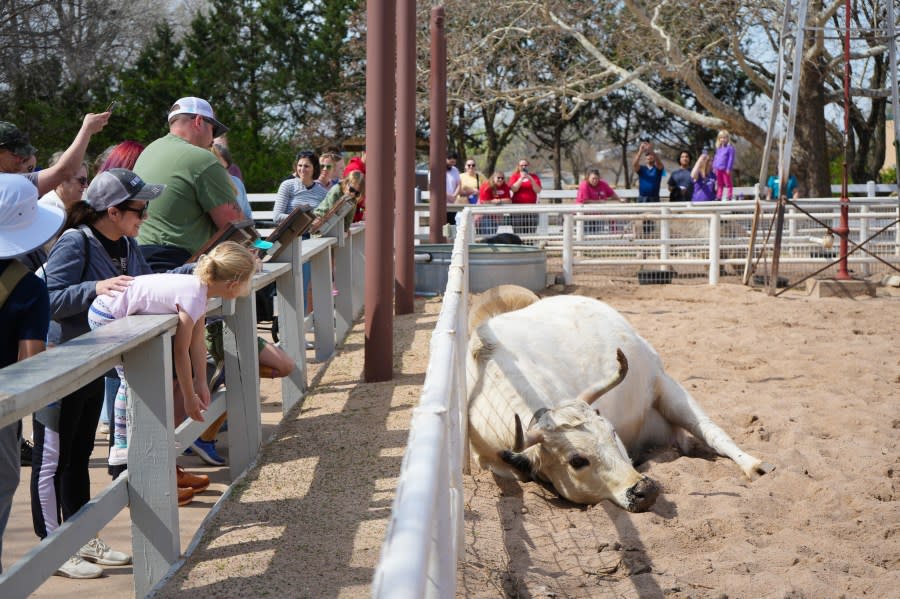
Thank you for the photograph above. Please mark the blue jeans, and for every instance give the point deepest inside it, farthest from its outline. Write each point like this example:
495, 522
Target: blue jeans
111, 386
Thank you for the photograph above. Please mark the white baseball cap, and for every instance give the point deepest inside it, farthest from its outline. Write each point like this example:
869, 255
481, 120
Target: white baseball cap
198, 106
24, 224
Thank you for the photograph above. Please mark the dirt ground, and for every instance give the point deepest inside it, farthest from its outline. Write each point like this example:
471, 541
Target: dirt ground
810, 385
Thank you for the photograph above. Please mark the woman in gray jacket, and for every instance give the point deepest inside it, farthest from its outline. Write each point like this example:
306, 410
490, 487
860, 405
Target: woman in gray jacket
96, 254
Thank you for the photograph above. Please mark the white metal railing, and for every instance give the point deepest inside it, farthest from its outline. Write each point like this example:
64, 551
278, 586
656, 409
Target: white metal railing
567, 197
425, 537
704, 237
142, 345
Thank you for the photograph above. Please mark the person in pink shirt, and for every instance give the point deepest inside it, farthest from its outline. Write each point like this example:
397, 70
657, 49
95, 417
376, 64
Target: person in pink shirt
595, 189
224, 272
591, 190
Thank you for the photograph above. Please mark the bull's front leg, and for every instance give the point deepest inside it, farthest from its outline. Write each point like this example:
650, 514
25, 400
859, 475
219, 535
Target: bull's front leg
677, 406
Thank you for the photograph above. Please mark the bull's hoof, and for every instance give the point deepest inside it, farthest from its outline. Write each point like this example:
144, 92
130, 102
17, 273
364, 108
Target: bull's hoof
760, 469
642, 495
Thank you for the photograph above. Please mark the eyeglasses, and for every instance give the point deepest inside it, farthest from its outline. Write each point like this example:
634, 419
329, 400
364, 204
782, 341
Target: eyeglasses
141, 212
326, 167
470, 166
81, 181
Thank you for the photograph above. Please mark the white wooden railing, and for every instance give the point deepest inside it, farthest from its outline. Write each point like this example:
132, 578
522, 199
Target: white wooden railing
142, 345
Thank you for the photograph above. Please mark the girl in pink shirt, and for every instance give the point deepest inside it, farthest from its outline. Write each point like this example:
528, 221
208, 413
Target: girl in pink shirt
225, 272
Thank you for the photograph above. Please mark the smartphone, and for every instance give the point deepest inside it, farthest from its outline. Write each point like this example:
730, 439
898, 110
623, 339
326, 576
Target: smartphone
112, 106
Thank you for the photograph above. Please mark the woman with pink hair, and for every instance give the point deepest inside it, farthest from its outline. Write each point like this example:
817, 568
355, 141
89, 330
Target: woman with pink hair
122, 155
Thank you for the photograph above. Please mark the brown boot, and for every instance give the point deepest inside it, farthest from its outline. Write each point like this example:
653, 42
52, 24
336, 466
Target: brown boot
185, 495
197, 482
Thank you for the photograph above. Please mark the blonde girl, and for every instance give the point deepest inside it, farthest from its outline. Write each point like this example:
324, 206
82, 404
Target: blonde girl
224, 272
722, 165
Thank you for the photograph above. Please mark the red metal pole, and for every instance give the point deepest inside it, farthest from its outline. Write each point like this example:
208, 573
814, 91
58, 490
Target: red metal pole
380, 88
437, 147
405, 284
843, 230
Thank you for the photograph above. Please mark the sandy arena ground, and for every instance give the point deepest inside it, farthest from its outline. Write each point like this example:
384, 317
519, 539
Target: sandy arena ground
810, 385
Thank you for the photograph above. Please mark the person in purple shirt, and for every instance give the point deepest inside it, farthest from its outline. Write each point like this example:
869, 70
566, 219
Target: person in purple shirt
722, 165
704, 179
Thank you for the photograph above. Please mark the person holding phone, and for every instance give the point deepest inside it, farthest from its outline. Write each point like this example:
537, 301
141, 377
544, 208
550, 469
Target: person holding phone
525, 187
650, 173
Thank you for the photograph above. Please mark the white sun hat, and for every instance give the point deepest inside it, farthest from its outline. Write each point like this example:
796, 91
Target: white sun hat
25, 225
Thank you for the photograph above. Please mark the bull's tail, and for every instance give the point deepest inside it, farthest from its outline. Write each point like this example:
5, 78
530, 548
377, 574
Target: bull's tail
498, 300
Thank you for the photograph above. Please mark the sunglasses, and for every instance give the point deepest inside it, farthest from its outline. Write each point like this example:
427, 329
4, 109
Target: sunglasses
141, 212
81, 180
326, 167
471, 164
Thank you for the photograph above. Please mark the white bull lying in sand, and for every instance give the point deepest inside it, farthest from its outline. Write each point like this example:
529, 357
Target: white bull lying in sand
590, 390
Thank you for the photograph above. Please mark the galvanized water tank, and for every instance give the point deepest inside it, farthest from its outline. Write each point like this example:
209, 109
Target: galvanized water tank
489, 265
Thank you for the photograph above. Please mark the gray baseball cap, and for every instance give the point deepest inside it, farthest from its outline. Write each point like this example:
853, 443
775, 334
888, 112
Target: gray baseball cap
117, 185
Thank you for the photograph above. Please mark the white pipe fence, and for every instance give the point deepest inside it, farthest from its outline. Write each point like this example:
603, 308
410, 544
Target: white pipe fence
142, 344
425, 535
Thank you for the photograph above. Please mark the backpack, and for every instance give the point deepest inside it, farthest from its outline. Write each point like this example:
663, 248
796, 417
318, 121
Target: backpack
10, 278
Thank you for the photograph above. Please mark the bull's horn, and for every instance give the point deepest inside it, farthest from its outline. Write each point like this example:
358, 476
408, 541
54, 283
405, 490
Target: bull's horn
519, 445
595, 392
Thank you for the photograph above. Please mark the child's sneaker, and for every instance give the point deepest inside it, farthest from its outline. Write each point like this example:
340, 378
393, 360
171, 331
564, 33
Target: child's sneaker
118, 455
207, 452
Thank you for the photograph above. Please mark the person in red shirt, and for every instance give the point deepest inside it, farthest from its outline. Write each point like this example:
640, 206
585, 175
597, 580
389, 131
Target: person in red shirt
357, 163
525, 187
494, 192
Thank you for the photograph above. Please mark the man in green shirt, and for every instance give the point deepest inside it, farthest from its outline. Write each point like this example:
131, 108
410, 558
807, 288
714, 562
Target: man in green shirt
199, 198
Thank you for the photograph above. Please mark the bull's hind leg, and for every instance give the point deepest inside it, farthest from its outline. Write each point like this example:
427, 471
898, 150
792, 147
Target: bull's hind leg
677, 406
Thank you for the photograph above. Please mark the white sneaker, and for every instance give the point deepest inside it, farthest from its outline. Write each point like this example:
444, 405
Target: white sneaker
75, 567
103, 428
100, 553
118, 456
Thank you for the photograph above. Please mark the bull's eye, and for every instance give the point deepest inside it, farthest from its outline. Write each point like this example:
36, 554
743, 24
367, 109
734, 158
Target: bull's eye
578, 462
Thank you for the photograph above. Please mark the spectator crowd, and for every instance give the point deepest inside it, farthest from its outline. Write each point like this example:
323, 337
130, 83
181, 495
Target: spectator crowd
77, 253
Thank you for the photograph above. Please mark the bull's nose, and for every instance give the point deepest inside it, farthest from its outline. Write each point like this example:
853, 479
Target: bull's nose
642, 495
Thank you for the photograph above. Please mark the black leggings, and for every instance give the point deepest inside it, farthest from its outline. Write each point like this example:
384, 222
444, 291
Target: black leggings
64, 434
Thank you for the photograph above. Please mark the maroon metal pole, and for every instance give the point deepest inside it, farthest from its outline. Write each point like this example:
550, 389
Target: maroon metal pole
405, 182
379, 276
843, 273
437, 147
